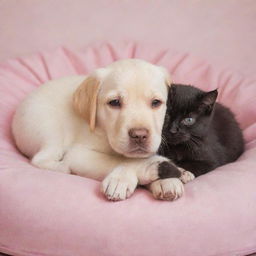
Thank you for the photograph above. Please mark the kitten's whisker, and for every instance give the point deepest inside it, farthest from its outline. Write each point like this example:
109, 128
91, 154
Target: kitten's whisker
163, 144
164, 141
195, 141
196, 137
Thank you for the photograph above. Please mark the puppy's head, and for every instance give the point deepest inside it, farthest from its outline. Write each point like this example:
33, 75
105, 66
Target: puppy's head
127, 100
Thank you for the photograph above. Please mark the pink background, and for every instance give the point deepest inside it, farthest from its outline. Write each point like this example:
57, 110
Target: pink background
222, 31
47, 213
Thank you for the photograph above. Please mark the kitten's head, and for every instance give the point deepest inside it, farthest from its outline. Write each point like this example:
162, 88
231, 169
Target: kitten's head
189, 114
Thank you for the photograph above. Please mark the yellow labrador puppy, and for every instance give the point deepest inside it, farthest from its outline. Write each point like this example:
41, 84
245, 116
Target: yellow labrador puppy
106, 126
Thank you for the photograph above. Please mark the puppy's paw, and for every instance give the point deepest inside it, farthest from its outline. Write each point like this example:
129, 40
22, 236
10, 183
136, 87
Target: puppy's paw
186, 176
119, 184
167, 189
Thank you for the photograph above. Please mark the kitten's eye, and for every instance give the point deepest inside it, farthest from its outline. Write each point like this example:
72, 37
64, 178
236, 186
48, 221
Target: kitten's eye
188, 121
115, 103
156, 103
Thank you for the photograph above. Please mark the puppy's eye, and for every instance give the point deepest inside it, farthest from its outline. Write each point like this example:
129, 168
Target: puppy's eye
156, 103
115, 103
188, 121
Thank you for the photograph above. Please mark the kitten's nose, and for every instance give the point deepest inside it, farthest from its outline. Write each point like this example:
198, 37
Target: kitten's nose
174, 130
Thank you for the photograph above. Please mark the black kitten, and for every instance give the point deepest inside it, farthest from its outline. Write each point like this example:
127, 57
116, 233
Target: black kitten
198, 134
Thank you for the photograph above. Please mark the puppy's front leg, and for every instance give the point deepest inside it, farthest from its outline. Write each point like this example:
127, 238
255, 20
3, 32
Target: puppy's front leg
122, 181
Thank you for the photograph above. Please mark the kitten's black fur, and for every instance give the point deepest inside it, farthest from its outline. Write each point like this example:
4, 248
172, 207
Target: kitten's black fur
213, 139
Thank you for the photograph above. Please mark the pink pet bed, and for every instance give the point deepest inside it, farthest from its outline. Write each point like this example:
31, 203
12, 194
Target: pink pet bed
48, 213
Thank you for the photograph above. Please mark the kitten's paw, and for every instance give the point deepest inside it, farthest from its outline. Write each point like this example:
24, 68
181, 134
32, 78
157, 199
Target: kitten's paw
148, 169
167, 189
167, 169
186, 176
119, 184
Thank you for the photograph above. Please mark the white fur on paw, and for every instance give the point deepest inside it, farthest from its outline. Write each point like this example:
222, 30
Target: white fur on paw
167, 189
186, 176
119, 184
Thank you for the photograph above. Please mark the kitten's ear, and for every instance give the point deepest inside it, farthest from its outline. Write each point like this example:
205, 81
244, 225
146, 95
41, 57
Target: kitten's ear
207, 101
209, 98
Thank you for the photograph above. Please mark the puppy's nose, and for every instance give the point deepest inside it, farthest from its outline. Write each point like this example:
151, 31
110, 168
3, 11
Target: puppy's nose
138, 135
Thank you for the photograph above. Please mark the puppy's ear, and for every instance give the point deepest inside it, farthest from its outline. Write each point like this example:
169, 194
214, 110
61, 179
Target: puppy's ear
85, 100
167, 76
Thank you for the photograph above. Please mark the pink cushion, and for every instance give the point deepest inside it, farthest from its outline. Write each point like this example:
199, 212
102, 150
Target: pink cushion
48, 213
